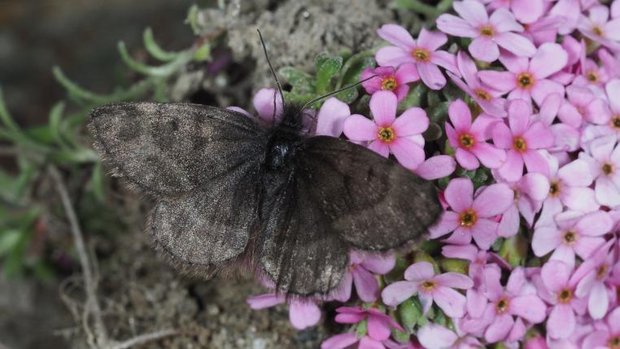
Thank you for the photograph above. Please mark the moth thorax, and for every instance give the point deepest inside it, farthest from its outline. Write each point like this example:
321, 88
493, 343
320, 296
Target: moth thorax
281, 150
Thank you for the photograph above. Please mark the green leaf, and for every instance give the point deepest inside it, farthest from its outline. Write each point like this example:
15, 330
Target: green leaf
96, 182
302, 83
454, 265
154, 49
76, 156
203, 53
514, 250
414, 97
9, 239
353, 67
76, 91
55, 121
192, 19
326, 68
5, 116
160, 71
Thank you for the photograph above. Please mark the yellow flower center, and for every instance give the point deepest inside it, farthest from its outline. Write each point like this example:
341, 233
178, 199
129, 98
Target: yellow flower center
520, 144
598, 31
421, 55
565, 296
502, 306
592, 76
554, 188
487, 30
601, 271
614, 342
525, 80
483, 94
607, 169
615, 121
570, 237
466, 140
468, 218
386, 134
428, 285
389, 83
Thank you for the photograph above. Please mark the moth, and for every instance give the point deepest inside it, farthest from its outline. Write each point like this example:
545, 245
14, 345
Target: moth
289, 205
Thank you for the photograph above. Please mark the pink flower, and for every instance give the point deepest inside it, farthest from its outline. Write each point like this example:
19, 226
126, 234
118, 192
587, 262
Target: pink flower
526, 11
263, 103
611, 126
569, 11
523, 141
599, 28
421, 280
566, 137
387, 134
607, 334
530, 191
593, 274
582, 105
569, 186
362, 267
331, 117
479, 260
509, 310
433, 336
303, 313
346, 340
572, 235
488, 33
592, 76
423, 53
472, 217
487, 98
379, 324
544, 29
390, 79
435, 167
469, 140
526, 79
604, 161
558, 289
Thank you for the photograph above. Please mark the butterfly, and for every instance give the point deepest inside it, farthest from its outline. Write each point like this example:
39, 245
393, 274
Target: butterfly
230, 190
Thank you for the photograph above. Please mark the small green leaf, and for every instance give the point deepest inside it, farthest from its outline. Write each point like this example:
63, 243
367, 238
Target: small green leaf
55, 118
159, 71
362, 328
414, 97
353, 67
76, 91
400, 336
9, 239
203, 53
96, 182
514, 250
154, 49
326, 68
438, 112
302, 83
454, 265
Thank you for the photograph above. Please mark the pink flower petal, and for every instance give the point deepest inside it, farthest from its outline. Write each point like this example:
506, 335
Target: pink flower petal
398, 292
431, 75
383, 108
512, 169
576, 173
545, 240
380, 148
411, 122
549, 59
393, 56
499, 328
397, 35
529, 307
379, 263
579, 199
366, 285
544, 88
493, 200
433, 336
263, 102
359, 128
340, 341
370, 343
519, 113
456, 26
484, 233
607, 192
598, 302
264, 301
484, 49
504, 21
500, 80
431, 40
447, 223
490, 156
597, 223
454, 280
502, 136
331, 117
408, 153
516, 44
436, 167
527, 11
472, 11
535, 161
378, 329
460, 115
538, 136
555, 275
419, 271
459, 194
509, 225
304, 314
561, 323
450, 301
466, 159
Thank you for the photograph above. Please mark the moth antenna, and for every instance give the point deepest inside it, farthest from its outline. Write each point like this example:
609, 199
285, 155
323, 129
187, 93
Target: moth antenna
337, 91
273, 72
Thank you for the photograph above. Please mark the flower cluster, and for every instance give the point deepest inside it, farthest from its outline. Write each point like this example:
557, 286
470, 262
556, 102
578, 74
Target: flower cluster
526, 252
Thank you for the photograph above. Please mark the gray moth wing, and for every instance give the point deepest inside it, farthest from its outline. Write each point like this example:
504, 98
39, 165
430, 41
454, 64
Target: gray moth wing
172, 148
201, 165
373, 203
